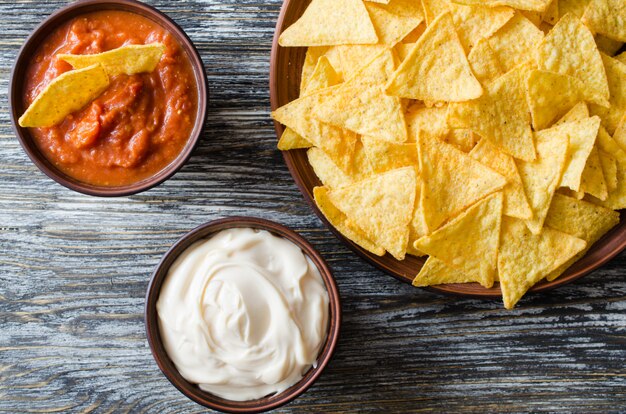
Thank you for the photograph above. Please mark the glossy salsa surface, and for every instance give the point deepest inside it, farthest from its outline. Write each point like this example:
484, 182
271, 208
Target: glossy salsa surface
139, 125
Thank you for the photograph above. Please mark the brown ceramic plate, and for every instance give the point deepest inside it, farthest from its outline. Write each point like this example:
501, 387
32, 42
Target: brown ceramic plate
191, 390
285, 69
42, 32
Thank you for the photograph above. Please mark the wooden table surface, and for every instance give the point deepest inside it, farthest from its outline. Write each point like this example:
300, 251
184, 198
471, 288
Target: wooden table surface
74, 270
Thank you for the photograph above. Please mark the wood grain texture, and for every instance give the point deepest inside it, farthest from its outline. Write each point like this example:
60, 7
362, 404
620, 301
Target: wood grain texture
74, 269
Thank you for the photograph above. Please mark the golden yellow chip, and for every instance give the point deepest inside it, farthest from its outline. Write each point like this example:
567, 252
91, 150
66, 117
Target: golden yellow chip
501, 115
436, 272
355, 57
576, 7
310, 63
616, 75
463, 139
515, 43
323, 76
339, 221
291, 140
533, 5
331, 175
525, 258
382, 207
569, 49
582, 137
592, 179
469, 242
64, 95
437, 68
484, 62
434, 8
395, 20
578, 112
542, 176
579, 219
417, 226
616, 199
129, 59
415, 34
384, 156
607, 17
403, 50
546, 105
451, 180
620, 133
331, 22
551, 14
338, 143
474, 23
609, 169
515, 201
429, 120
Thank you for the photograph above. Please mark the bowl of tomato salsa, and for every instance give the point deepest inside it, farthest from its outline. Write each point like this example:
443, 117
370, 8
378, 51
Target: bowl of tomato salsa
141, 129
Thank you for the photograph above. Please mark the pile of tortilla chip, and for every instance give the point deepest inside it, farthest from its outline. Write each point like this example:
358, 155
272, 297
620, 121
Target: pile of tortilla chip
488, 135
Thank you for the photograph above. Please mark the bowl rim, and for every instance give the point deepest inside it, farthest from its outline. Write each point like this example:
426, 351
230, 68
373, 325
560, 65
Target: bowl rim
573, 273
16, 83
152, 326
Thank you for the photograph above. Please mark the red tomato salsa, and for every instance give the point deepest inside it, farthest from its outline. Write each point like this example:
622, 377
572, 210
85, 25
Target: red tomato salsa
138, 125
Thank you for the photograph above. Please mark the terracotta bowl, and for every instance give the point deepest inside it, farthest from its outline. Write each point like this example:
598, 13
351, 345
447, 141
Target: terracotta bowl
42, 32
193, 391
285, 70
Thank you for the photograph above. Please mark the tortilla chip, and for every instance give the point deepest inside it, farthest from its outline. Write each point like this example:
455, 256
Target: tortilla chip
616, 199
616, 76
384, 156
609, 169
525, 258
395, 20
533, 5
515, 201
323, 76
607, 17
417, 226
551, 15
474, 23
463, 139
129, 59
436, 272
620, 133
577, 113
579, 219
569, 49
436, 69
355, 57
451, 180
65, 94
331, 175
310, 62
500, 115
515, 43
291, 140
382, 207
429, 120
469, 242
339, 221
338, 143
434, 8
582, 137
546, 105
576, 7
331, 22
592, 179
403, 50
484, 62
542, 176
377, 70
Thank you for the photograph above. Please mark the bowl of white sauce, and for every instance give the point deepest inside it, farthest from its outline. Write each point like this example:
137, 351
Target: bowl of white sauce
242, 315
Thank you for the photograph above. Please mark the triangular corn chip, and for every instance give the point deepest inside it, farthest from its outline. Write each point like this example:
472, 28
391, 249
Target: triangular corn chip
474, 23
479, 223
65, 94
580, 219
451, 180
515, 201
576, 7
382, 207
338, 143
129, 59
616, 199
569, 49
417, 226
428, 120
360, 105
578, 112
384, 156
515, 43
434, 8
355, 57
339, 221
609, 169
331, 22
620, 133
533, 5
436, 272
525, 258
395, 20
582, 137
310, 63
607, 17
331, 175
291, 140
323, 76
592, 180
437, 68
545, 105
542, 176
484, 62
616, 76
501, 115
